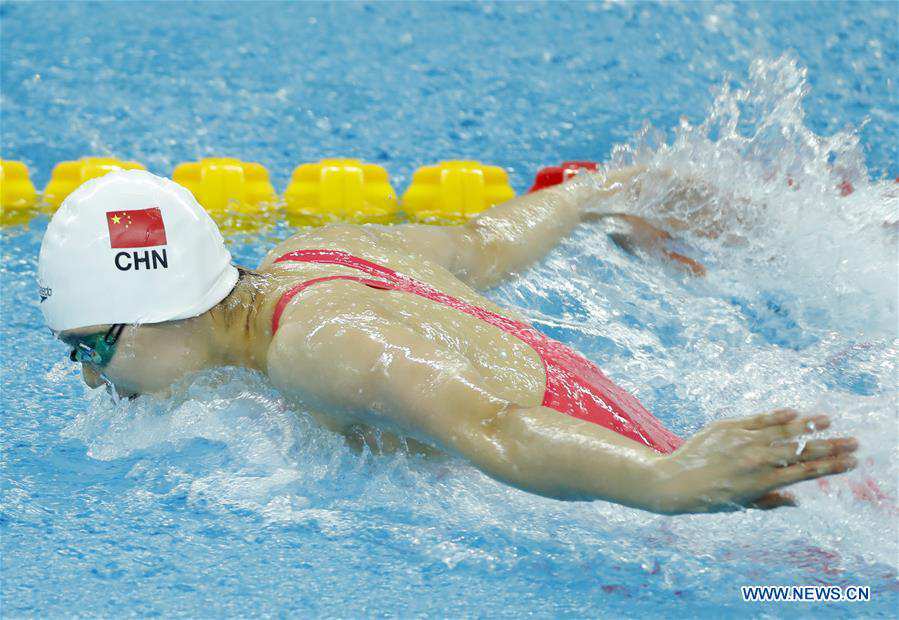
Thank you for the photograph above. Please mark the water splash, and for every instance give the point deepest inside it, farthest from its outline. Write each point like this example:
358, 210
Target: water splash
774, 204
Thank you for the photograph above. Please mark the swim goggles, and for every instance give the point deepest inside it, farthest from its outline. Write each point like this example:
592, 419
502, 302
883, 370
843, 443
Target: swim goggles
96, 349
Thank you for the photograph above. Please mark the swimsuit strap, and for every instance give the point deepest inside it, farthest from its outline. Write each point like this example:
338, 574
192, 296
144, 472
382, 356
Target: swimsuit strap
337, 257
392, 280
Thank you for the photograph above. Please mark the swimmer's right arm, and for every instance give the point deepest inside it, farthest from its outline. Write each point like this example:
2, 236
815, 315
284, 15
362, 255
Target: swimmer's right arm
365, 367
729, 465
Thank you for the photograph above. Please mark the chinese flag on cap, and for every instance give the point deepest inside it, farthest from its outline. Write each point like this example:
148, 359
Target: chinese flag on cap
138, 228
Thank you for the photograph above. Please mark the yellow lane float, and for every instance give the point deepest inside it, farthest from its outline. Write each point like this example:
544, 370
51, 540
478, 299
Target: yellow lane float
454, 191
17, 194
223, 184
69, 175
239, 195
16, 189
340, 190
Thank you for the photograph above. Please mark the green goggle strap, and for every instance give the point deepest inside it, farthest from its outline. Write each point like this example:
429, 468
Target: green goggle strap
99, 349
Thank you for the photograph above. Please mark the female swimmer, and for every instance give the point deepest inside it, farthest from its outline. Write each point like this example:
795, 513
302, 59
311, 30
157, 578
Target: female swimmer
382, 327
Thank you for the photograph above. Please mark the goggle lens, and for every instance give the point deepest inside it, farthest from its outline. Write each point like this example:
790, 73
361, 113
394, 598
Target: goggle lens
97, 349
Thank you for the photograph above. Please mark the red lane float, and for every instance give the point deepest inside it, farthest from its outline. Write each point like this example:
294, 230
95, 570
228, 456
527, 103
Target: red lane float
554, 175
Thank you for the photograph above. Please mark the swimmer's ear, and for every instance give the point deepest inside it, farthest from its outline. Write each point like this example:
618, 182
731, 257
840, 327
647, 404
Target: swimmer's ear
775, 499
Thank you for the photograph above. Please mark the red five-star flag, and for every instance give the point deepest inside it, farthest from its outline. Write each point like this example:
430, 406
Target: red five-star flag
138, 228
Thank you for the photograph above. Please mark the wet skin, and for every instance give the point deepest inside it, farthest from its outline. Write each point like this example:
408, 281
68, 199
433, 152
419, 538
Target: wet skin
362, 358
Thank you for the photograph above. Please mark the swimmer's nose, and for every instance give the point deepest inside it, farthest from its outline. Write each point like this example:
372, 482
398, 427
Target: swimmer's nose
91, 376
93, 379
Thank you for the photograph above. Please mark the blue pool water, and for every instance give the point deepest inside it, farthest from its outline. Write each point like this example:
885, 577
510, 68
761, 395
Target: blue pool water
225, 502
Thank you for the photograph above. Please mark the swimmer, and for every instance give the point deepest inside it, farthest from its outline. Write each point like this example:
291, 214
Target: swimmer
382, 327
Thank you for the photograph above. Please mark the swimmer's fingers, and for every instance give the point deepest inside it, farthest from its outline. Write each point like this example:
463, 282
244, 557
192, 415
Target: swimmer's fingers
640, 233
793, 428
615, 179
764, 420
685, 262
810, 470
774, 499
789, 453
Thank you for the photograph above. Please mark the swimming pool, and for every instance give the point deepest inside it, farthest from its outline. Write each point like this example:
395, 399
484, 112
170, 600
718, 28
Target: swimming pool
225, 502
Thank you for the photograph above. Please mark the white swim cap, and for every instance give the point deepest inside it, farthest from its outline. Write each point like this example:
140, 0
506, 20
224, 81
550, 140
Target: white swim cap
131, 247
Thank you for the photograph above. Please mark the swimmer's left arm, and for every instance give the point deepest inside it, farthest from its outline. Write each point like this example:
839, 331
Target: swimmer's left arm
511, 236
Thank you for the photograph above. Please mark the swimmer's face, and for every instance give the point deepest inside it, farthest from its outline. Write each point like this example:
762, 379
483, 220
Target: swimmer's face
147, 359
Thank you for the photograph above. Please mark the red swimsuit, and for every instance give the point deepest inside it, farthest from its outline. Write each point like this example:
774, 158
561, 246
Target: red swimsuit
574, 385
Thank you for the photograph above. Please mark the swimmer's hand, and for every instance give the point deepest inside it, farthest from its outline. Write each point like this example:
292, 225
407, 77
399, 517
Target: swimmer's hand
632, 233
629, 232
735, 464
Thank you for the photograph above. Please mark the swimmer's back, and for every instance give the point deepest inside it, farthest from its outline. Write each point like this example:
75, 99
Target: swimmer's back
510, 368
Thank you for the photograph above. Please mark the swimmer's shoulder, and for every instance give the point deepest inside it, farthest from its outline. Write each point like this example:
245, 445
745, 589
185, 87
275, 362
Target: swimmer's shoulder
366, 241
324, 237
318, 330
371, 242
